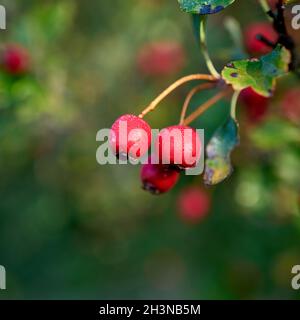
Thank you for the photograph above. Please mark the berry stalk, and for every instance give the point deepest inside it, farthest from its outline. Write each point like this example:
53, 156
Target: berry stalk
205, 106
152, 106
189, 97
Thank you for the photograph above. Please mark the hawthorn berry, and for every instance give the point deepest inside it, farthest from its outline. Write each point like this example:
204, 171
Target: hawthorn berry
256, 105
160, 58
158, 178
194, 204
178, 145
253, 44
15, 59
130, 136
290, 105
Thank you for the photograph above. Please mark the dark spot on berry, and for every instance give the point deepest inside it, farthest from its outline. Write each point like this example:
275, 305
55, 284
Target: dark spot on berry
234, 75
174, 167
126, 157
122, 156
150, 188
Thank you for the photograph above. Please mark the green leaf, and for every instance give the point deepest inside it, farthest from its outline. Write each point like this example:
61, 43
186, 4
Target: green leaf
204, 6
218, 164
259, 74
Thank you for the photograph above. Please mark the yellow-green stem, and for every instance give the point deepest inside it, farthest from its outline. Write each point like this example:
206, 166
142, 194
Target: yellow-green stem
204, 49
234, 101
266, 7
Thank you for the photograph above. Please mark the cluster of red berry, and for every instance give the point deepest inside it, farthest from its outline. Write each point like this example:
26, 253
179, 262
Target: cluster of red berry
162, 171
194, 203
165, 58
156, 60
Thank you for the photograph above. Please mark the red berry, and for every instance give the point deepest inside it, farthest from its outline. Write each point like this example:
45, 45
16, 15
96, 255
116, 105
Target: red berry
290, 105
256, 46
15, 59
158, 178
161, 58
178, 145
130, 136
256, 105
194, 204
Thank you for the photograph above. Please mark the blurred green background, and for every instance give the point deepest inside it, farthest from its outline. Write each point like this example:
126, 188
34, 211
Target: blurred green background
70, 228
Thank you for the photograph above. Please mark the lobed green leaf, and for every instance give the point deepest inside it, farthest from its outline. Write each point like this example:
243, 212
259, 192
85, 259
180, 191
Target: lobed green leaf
259, 74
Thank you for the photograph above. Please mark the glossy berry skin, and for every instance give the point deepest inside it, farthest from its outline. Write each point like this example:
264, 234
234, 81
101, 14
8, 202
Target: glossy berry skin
130, 137
158, 59
256, 105
178, 145
254, 45
15, 60
290, 105
158, 178
194, 204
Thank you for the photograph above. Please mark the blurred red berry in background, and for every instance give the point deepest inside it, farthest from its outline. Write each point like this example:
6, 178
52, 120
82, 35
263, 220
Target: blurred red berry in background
194, 204
290, 105
256, 105
15, 59
161, 58
256, 46
273, 4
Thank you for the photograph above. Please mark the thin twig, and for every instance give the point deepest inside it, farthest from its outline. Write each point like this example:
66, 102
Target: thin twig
189, 97
279, 25
266, 41
205, 106
173, 87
